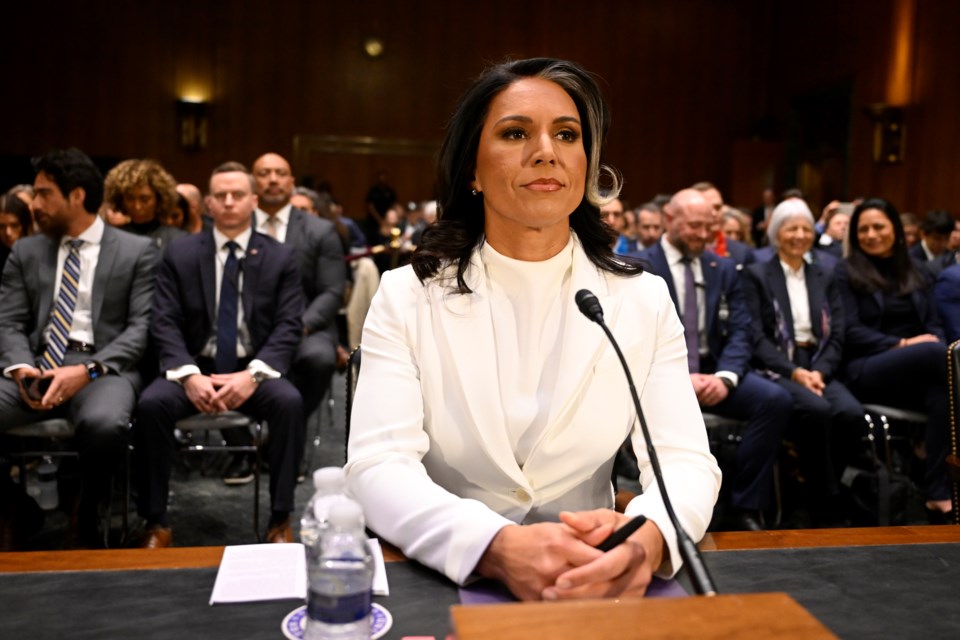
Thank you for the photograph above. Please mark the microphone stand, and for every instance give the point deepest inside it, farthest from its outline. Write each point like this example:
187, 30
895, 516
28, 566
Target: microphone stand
589, 306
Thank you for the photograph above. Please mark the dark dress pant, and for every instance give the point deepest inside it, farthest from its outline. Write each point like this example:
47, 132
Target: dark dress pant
163, 403
914, 378
765, 407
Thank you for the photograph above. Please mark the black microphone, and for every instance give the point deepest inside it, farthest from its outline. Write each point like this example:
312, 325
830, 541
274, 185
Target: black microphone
692, 560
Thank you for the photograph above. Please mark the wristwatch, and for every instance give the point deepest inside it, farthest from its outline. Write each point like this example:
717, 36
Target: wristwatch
94, 370
727, 382
257, 376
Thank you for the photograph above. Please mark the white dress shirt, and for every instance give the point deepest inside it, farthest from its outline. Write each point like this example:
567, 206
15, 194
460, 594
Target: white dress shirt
281, 220
81, 329
799, 303
244, 344
677, 272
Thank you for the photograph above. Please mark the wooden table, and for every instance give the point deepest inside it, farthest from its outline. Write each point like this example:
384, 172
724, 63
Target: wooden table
742, 563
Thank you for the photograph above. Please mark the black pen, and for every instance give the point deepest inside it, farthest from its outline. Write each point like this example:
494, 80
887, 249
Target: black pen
620, 535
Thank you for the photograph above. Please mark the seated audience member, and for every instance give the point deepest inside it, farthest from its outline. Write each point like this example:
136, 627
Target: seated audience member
74, 312
735, 225
835, 230
217, 354
737, 251
947, 295
761, 217
198, 220
798, 335
707, 292
306, 200
138, 194
380, 198
317, 246
489, 410
953, 244
911, 229
15, 223
934, 235
649, 225
177, 217
612, 214
893, 350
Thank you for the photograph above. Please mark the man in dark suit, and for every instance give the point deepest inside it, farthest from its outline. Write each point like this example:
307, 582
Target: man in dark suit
74, 314
706, 290
319, 256
935, 233
227, 322
740, 253
947, 294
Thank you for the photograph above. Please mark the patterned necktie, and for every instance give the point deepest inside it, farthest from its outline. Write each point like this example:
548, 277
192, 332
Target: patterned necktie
226, 360
62, 317
691, 317
271, 224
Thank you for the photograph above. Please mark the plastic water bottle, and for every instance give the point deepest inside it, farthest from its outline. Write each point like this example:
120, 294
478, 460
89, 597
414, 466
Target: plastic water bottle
47, 496
341, 578
329, 486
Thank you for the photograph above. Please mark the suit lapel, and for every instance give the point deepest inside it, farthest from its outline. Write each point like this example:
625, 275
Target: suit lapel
815, 290
464, 326
108, 255
46, 280
659, 262
251, 273
208, 275
583, 342
778, 287
710, 267
295, 227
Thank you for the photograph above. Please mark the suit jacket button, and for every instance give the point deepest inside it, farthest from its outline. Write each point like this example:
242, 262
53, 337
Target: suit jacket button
522, 495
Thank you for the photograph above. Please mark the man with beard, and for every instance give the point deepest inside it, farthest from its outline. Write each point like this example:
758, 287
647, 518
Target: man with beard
706, 290
323, 274
74, 314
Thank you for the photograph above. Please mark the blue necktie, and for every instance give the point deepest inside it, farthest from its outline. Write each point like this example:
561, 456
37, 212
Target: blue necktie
62, 317
691, 317
226, 360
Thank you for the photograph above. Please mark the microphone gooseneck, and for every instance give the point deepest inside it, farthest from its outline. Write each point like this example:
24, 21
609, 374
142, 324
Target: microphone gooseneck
589, 306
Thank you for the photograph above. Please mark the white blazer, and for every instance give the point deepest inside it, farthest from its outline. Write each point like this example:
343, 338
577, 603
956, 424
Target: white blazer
429, 456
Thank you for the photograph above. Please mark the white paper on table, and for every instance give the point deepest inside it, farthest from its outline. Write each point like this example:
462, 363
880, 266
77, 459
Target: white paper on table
255, 572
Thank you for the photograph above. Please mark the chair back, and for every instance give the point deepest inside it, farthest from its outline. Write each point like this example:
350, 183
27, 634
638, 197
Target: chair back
953, 456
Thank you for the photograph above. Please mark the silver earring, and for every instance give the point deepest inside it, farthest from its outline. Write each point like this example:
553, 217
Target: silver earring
474, 192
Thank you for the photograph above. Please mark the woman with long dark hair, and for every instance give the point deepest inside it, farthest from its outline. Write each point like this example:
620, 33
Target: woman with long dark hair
489, 410
894, 352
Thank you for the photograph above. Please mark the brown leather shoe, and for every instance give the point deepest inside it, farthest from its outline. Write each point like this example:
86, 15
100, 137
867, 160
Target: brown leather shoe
157, 538
280, 532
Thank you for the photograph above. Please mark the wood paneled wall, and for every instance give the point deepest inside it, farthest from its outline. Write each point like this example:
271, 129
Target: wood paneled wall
688, 81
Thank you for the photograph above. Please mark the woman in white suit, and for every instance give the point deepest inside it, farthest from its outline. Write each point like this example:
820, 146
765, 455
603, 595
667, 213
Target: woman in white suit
489, 410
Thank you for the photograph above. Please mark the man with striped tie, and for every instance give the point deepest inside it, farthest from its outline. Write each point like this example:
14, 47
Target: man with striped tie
74, 314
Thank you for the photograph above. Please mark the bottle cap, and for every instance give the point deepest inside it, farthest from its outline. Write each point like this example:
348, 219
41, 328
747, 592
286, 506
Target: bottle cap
329, 478
346, 514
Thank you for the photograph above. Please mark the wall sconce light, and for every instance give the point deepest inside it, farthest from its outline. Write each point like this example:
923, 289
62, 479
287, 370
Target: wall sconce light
193, 118
373, 47
889, 133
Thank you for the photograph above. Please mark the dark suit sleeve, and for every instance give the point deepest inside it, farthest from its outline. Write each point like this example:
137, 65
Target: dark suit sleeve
167, 324
736, 350
15, 306
947, 296
830, 357
279, 348
124, 352
329, 279
766, 351
859, 338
